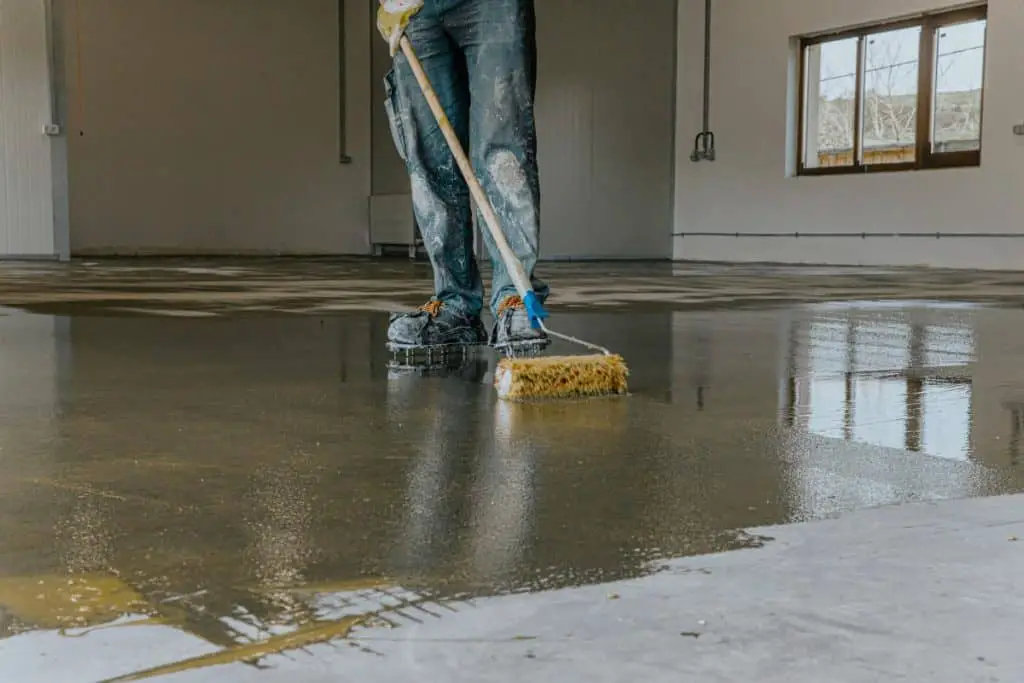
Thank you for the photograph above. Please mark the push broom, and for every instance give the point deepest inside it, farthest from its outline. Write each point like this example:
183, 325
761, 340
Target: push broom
597, 374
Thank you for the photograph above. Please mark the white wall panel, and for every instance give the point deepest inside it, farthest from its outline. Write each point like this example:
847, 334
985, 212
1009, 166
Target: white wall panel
26, 183
213, 127
605, 118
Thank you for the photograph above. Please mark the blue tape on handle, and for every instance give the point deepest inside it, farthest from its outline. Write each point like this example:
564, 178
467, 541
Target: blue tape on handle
534, 309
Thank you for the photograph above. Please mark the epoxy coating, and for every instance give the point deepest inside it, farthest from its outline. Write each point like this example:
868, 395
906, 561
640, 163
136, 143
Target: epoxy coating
239, 476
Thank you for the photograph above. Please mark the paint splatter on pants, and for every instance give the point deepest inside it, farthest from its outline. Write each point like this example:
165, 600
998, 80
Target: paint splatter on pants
480, 57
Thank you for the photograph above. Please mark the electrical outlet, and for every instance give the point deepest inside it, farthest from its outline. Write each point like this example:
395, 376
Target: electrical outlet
52, 130
1018, 129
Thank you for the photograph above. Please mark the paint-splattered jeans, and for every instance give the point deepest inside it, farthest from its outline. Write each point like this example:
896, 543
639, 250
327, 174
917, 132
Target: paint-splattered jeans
480, 57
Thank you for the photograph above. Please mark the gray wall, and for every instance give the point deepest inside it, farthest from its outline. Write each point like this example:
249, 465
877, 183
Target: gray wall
605, 118
389, 175
211, 126
26, 190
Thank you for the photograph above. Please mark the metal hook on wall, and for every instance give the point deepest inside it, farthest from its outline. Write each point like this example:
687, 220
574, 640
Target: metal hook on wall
704, 143
703, 147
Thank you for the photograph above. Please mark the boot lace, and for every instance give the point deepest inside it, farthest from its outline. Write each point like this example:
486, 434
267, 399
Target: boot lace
433, 307
510, 302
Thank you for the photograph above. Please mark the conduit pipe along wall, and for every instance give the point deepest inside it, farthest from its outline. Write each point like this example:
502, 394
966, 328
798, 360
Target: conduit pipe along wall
704, 143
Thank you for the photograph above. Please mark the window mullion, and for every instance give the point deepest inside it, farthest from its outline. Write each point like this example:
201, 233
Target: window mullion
858, 105
925, 85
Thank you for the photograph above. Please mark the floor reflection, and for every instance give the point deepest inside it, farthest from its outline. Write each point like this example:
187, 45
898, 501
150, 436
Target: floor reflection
883, 376
240, 480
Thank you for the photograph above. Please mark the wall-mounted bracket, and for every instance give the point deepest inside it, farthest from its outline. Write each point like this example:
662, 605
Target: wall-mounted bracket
703, 147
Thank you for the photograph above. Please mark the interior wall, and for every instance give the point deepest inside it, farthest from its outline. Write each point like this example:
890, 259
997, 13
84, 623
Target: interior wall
747, 188
26, 180
391, 212
213, 127
605, 111
605, 120
389, 176
200, 127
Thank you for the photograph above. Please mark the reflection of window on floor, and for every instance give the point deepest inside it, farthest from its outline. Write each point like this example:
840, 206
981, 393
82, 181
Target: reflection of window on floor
886, 382
1016, 431
946, 419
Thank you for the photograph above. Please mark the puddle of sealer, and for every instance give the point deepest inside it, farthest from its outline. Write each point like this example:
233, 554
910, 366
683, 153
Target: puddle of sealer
203, 462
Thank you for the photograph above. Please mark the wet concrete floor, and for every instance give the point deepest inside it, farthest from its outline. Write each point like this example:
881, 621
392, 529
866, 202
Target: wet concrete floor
227, 475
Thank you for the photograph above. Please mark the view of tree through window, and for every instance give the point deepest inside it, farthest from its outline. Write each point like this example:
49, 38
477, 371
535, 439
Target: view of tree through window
891, 74
835, 78
960, 58
901, 96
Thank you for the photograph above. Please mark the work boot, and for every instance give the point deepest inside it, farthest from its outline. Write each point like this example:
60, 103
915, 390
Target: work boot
512, 332
434, 325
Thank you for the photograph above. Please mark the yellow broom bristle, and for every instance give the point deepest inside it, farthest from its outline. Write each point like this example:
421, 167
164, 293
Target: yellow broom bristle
560, 377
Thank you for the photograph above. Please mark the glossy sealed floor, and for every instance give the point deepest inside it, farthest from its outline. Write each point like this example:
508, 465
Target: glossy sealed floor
241, 475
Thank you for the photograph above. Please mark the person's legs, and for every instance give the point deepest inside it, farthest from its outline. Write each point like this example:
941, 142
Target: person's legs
499, 41
440, 196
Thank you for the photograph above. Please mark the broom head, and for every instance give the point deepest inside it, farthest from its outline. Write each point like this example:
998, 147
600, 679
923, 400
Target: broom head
554, 377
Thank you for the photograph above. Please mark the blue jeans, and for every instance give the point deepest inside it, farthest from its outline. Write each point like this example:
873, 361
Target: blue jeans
480, 57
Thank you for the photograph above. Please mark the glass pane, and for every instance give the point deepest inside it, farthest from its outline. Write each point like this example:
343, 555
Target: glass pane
889, 131
829, 99
959, 70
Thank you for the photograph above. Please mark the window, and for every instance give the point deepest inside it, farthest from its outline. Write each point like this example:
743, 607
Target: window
894, 97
